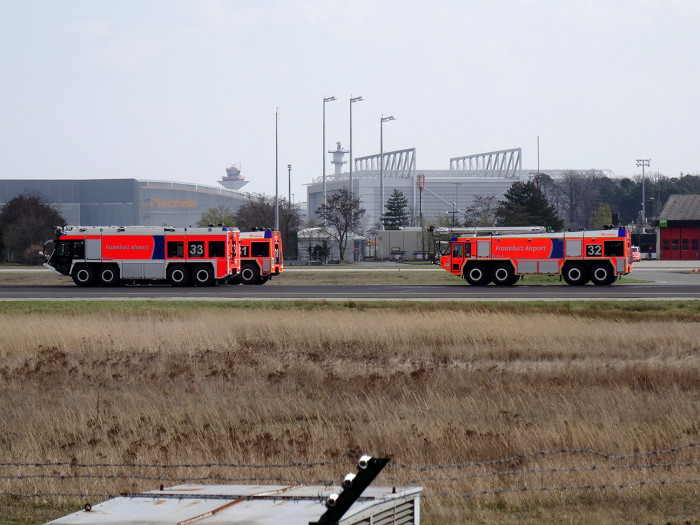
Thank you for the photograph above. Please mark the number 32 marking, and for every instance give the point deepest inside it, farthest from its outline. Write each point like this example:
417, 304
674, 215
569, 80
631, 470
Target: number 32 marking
594, 250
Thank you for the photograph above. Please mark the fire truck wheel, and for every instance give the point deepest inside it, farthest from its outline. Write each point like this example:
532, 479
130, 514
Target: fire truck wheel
476, 275
203, 275
602, 273
263, 279
575, 274
108, 275
178, 275
83, 275
250, 274
504, 275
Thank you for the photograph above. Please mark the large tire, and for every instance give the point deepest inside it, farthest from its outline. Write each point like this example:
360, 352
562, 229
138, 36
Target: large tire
603, 274
108, 275
178, 275
477, 275
503, 274
83, 275
203, 275
250, 274
575, 274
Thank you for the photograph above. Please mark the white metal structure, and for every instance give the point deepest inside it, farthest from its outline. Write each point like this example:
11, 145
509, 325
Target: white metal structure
504, 163
249, 505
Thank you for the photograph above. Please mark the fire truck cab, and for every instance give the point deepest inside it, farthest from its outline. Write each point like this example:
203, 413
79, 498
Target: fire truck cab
261, 257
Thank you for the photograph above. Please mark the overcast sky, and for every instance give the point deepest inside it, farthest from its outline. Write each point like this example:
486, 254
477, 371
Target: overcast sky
179, 89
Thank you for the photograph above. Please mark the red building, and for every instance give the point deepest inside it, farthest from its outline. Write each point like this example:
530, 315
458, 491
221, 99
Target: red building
679, 228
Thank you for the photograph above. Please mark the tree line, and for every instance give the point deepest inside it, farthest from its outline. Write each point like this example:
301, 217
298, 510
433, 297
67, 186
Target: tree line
576, 200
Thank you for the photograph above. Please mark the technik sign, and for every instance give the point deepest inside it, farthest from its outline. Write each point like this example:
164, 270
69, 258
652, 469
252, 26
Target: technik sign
168, 203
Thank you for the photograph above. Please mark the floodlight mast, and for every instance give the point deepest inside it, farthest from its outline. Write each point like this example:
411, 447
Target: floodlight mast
325, 99
382, 120
352, 101
643, 163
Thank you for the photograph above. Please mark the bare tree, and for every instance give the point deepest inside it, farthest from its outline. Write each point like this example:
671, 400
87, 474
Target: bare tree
575, 196
259, 212
340, 216
482, 211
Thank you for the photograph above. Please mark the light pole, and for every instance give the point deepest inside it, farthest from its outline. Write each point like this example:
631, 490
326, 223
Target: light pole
382, 120
289, 197
277, 201
642, 163
325, 99
352, 101
457, 185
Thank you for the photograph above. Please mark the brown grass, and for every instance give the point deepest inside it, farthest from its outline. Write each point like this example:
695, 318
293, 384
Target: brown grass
427, 387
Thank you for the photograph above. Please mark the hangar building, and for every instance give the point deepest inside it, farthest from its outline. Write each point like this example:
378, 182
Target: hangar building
125, 202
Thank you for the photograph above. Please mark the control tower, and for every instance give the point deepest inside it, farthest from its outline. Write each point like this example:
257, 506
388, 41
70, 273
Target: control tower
338, 155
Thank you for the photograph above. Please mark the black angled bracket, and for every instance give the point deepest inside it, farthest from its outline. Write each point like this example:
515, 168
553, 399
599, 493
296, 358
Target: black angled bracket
367, 469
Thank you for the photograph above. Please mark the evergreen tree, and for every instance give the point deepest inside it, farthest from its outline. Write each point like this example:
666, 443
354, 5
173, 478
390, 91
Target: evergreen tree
526, 205
395, 215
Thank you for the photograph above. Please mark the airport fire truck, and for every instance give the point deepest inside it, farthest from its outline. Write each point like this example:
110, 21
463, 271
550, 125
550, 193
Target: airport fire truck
261, 257
503, 255
109, 256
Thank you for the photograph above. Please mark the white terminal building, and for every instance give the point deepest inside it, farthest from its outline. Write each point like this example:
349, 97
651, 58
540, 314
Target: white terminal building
435, 193
439, 195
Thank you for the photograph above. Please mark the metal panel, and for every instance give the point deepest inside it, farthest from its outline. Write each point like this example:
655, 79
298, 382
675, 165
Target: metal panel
140, 270
620, 264
154, 270
549, 267
573, 247
527, 267
483, 248
93, 249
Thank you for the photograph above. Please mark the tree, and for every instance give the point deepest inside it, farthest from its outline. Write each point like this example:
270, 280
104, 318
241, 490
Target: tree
340, 216
526, 205
395, 216
258, 212
481, 212
575, 196
602, 217
26, 220
219, 215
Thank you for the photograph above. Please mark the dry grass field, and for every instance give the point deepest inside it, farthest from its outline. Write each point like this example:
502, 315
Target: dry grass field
122, 397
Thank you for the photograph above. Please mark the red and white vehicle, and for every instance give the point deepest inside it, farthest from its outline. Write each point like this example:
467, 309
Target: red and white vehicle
261, 257
503, 255
108, 256
636, 254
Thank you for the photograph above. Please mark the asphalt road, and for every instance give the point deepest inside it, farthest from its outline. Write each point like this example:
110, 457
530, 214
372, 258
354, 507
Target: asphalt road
663, 280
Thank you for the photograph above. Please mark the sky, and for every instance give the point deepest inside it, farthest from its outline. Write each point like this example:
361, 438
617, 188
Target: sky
180, 89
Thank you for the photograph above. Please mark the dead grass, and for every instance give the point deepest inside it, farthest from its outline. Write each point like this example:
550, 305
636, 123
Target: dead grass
429, 387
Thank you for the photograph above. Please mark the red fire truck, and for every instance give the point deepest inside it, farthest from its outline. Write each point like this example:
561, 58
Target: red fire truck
261, 257
108, 256
503, 255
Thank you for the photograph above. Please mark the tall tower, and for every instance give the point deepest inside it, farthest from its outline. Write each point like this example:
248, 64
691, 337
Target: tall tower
338, 158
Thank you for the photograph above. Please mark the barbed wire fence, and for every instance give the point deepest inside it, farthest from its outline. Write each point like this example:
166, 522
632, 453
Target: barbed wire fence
438, 480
